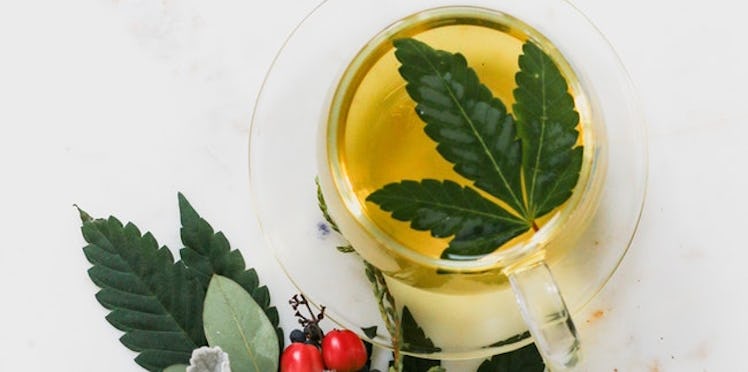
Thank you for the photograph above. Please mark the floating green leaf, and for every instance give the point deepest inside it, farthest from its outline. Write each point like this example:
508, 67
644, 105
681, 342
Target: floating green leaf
546, 125
531, 165
154, 300
470, 125
207, 252
237, 324
447, 209
526, 359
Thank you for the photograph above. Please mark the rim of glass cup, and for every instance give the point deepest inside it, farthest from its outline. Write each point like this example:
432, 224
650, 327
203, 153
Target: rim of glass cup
581, 203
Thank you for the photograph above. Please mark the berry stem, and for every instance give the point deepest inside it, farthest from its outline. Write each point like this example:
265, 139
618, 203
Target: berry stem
298, 300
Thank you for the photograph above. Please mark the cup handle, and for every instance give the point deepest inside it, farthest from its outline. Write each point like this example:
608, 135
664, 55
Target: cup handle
545, 314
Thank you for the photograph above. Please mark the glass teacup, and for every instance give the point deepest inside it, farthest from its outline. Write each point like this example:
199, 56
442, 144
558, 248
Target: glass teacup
466, 307
359, 148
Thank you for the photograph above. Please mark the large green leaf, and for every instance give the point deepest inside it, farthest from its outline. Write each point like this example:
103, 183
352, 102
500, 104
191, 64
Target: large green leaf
154, 300
238, 325
546, 125
206, 253
526, 359
447, 209
531, 165
470, 125
415, 340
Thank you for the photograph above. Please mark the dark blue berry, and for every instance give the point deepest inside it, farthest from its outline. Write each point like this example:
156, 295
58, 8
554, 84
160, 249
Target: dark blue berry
297, 336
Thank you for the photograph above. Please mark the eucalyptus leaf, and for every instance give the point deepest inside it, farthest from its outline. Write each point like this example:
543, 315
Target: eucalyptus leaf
237, 324
176, 368
207, 252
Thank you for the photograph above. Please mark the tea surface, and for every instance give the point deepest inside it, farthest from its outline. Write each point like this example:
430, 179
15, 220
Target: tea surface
381, 138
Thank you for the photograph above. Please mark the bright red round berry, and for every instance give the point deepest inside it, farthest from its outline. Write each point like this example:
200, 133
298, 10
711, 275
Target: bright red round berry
300, 357
343, 351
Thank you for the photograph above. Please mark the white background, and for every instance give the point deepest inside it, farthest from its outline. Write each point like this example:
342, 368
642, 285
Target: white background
118, 104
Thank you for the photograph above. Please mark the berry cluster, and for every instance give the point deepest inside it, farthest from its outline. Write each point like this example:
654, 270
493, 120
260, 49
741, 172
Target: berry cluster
312, 350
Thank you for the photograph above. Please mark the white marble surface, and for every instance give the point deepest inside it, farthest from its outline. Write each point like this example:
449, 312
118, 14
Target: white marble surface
118, 104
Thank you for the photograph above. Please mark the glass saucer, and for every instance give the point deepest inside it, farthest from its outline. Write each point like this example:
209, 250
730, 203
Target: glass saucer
294, 102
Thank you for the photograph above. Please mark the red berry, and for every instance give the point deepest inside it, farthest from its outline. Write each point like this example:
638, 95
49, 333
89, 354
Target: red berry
343, 351
299, 357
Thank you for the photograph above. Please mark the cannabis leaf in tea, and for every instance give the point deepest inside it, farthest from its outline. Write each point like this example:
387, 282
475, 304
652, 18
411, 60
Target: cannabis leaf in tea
529, 159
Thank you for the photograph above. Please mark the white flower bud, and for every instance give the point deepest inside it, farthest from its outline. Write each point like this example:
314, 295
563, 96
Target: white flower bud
209, 359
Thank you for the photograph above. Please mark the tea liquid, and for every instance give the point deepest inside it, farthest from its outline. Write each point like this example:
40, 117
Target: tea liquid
381, 139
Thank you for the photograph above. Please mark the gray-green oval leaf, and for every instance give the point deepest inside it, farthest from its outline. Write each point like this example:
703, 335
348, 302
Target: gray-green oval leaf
236, 323
176, 368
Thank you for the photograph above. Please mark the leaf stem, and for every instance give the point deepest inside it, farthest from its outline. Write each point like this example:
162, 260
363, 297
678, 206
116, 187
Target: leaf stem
535, 227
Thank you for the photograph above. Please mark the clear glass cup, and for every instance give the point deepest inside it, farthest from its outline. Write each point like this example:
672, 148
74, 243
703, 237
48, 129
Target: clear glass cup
581, 246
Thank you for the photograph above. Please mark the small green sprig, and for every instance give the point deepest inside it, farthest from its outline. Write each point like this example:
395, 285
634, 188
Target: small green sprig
388, 312
322, 204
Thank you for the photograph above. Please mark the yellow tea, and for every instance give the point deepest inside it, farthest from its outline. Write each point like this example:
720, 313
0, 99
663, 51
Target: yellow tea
375, 136
381, 139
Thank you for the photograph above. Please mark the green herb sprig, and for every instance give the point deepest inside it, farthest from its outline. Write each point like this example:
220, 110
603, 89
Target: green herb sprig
529, 159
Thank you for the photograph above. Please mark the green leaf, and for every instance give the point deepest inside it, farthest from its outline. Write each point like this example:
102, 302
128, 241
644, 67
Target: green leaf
237, 324
510, 340
370, 332
345, 248
207, 253
526, 359
369, 353
437, 369
154, 300
176, 368
531, 165
546, 125
415, 340
471, 126
447, 209
85, 217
